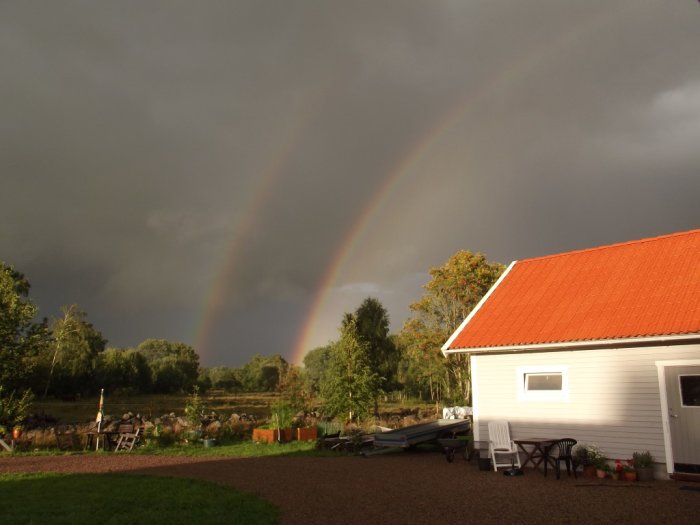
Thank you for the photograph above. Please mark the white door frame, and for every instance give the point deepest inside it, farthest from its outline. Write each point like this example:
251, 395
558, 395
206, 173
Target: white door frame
661, 371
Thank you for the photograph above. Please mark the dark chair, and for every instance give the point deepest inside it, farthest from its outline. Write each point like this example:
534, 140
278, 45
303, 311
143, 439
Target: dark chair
561, 451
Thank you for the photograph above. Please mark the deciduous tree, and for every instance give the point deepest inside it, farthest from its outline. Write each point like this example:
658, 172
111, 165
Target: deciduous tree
21, 342
74, 349
174, 366
350, 386
316, 365
453, 291
21, 338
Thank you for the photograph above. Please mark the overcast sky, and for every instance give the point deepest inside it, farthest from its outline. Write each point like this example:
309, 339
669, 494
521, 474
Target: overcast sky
237, 175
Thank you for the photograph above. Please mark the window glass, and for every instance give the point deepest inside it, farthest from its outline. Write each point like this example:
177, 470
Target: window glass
690, 391
543, 381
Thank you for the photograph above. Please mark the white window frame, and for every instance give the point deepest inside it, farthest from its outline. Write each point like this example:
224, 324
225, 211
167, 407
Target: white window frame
543, 395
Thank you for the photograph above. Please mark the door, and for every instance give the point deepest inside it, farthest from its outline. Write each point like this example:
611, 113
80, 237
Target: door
683, 395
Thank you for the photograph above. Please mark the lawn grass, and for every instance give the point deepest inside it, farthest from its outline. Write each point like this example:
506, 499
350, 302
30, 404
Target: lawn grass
86, 499
243, 449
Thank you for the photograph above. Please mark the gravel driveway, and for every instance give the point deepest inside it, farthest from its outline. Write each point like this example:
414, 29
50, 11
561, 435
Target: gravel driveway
403, 489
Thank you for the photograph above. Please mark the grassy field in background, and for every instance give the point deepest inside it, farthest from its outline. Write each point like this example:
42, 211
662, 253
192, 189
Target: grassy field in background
84, 499
255, 403
155, 405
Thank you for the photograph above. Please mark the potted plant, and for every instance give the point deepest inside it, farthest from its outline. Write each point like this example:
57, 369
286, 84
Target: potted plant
601, 468
17, 432
588, 456
14, 412
629, 472
279, 429
617, 470
643, 463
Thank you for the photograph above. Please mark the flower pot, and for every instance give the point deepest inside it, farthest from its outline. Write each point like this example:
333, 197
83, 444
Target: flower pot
645, 473
616, 475
306, 434
272, 435
589, 471
631, 476
265, 435
600, 473
16, 433
209, 443
193, 435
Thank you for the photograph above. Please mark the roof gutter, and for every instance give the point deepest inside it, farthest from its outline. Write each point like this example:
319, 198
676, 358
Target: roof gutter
579, 345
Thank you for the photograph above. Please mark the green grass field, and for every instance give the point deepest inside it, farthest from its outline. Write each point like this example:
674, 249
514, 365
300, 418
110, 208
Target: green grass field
256, 403
86, 499
155, 405
243, 449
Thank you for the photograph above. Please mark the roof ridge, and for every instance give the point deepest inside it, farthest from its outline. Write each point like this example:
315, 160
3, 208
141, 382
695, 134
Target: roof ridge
614, 245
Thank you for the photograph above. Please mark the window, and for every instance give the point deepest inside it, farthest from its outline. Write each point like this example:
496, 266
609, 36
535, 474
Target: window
690, 390
543, 383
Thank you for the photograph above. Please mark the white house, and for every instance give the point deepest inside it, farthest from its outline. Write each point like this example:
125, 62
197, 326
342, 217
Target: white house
602, 345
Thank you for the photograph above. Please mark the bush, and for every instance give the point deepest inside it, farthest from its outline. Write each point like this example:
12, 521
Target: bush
642, 459
14, 411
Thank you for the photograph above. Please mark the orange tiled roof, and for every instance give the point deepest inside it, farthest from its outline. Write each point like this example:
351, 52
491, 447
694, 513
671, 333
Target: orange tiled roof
644, 288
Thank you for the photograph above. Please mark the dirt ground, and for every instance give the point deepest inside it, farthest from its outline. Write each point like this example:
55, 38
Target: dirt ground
404, 488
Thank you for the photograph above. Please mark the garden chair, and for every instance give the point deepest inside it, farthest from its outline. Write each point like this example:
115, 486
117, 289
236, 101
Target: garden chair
128, 437
561, 451
500, 444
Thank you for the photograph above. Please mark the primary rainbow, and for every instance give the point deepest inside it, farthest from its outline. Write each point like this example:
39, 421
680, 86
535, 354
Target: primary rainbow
360, 225
454, 115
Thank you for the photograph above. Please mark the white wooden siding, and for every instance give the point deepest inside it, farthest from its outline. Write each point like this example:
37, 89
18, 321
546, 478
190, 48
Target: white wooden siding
613, 399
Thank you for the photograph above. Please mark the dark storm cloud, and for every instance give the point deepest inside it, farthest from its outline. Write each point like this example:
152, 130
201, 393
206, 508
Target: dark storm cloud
148, 146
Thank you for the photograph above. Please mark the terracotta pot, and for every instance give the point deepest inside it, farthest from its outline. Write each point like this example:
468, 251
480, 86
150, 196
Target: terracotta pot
306, 434
272, 435
631, 476
600, 473
615, 475
589, 471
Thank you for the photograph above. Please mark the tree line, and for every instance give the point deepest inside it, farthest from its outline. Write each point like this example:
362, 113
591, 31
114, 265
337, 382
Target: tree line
67, 355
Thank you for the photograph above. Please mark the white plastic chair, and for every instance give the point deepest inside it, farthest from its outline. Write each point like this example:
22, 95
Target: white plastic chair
500, 444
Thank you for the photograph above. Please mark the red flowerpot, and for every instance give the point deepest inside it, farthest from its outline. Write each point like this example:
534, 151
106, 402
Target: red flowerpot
307, 434
272, 435
631, 476
589, 471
